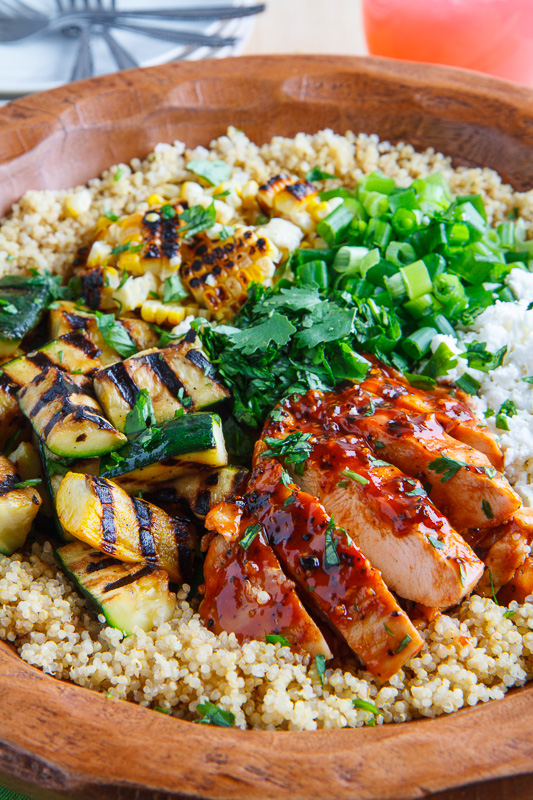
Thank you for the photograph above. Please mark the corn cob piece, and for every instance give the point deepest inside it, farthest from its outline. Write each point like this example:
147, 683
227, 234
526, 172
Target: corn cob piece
218, 272
297, 201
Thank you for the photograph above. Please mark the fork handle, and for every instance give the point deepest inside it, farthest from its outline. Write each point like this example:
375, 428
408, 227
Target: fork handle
180, 37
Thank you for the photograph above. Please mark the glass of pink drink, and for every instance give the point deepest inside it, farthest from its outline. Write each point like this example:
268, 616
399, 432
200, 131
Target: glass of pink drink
493, 36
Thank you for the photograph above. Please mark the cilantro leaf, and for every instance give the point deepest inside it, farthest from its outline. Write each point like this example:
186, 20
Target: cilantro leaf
295, 447
331, 558
249, 535
214, 172
173, 290
328, 322
213, 715
320, 664
141, 416
115, 335
197, 219
317, 174
277, 329
276, 638
297, 298
446, 466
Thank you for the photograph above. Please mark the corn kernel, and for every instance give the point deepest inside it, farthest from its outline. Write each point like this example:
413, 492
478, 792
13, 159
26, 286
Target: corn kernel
78, 202
155, 200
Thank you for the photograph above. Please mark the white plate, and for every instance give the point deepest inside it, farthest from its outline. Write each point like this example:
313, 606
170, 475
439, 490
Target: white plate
45, 61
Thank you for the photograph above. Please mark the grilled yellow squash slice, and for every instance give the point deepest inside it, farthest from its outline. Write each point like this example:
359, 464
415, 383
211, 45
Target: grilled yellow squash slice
18, 508
100, 513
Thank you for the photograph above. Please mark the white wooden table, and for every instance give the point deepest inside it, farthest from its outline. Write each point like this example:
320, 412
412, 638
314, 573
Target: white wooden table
309, 26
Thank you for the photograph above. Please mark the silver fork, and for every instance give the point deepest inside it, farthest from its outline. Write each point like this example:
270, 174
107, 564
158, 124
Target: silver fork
19, 20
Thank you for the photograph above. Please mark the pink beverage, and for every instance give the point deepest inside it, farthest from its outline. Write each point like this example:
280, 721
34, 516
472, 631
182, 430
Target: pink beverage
494, 36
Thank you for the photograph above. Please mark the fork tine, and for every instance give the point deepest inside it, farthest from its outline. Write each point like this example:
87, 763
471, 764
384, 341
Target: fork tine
122, 58
83, 66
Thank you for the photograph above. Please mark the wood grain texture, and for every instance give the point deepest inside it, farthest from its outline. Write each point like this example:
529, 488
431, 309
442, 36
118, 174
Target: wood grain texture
63, 137
60, 741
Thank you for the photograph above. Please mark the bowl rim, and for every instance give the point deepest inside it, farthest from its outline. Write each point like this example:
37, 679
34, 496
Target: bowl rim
65, 730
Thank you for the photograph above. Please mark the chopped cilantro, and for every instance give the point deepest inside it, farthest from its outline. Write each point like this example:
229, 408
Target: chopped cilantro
141, 416
479, 357
446, 466
403, 644
7, 308
495, 599
420, 381
295, 447
277, 329
388, 629
317, 174
213, 715
127, 247
437, 544
185, 399
60, 356
285, 478
214, 172
528, 379
197, 219
167, 211
249, 535
115, 335
487, 510
162, 710
225, 232
173, 290
111, 217
118, 174
320, 664
509, 613
331, 556
290, 500
276, 638
379, 445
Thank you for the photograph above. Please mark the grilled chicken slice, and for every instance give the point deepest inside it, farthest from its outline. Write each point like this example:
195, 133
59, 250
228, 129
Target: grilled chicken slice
449, 406
100, 513
520, 586
387, 514
329, 569
503, 549
246, 591
463, 483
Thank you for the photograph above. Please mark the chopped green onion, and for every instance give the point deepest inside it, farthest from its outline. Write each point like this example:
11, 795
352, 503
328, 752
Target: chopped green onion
348, 473
249, 535
313, 272
416, 278
348, 259
417, 344
468, 384
275, 638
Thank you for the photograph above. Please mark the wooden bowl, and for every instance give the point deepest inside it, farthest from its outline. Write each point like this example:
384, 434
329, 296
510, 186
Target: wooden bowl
59, 740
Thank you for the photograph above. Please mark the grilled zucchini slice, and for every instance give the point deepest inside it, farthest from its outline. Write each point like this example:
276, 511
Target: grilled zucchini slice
68, 318
99, 512
18, 508
201, 490
11, 417
23, 301
69, 422
128, 596
167, 451
73, 352
177, 377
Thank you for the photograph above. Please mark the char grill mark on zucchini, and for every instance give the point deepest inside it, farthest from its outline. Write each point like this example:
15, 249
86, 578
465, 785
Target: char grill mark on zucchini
18, 508
144, 518
177, 377
128, 595
141, 533
166, 376
30, 297
69, 421
73, 352
120, 377
109, 528
201, 490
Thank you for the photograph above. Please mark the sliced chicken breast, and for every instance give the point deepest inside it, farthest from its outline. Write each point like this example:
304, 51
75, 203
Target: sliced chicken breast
387, 514
504, 550
246, 591
330, 570
520, 587
449, 406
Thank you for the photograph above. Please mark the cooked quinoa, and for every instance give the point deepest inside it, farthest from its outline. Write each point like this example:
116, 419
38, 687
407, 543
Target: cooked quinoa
471, 656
